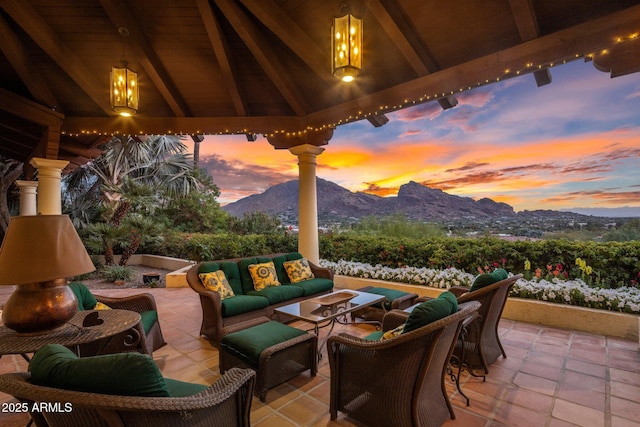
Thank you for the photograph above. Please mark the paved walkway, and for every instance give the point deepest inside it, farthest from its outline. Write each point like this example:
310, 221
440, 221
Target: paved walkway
552, 377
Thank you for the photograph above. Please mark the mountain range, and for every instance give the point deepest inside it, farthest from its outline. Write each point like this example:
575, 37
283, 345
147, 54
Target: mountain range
414, 200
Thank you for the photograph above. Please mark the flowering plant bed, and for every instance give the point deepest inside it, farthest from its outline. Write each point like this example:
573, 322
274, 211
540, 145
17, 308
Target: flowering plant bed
570, 292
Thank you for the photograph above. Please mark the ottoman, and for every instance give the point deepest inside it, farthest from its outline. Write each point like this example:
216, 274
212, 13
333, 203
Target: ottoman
395, 300
276, 352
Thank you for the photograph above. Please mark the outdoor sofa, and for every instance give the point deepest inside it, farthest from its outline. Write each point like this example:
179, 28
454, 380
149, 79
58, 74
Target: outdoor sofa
220, 311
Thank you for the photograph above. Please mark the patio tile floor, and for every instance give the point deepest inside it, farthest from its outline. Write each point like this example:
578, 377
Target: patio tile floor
551, 377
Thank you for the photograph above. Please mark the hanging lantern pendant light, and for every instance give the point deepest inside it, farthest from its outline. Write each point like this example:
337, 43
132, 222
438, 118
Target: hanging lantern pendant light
346, 45
124, 85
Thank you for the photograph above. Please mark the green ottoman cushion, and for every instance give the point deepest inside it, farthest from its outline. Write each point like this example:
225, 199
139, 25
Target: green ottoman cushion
390, 294
249, 343
240, 304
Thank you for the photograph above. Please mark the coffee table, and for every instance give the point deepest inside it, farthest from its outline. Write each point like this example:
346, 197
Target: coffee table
326, 310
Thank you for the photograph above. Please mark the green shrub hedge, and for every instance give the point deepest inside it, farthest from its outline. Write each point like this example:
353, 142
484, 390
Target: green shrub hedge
613, 264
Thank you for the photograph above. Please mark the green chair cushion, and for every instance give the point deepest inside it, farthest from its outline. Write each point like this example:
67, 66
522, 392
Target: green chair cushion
374, 336
240, 304
314, 286
390, 294
430, 311
278, 294
183, 389
86, 300
249, 343
148, 319
487, 279
124, 374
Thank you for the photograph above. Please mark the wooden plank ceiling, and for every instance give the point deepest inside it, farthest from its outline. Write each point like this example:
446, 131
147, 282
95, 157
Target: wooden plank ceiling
263, 66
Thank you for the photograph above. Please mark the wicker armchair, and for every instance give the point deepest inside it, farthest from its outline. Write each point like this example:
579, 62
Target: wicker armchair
135, 339
399, 381
482, 343
225, 403
140, 303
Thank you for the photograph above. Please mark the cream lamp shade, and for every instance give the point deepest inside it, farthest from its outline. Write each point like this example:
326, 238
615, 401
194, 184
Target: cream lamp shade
38, 254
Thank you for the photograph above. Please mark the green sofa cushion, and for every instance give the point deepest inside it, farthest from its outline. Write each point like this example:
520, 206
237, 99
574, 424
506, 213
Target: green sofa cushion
240, 304
86, 300
292, 256
183, 389
124, 374
249, 343
431, 310
278, 294
487, 279
278, 262
314, 286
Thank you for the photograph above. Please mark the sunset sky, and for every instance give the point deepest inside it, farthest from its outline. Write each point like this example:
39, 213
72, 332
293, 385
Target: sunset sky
572, 143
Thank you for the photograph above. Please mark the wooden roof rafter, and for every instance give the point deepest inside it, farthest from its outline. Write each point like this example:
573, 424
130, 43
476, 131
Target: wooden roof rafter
264, 54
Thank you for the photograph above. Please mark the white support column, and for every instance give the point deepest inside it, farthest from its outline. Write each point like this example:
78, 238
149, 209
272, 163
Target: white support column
308, 244
28, 201
49, 190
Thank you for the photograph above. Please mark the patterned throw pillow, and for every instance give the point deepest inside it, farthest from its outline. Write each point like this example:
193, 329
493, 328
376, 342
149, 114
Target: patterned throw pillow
216, 281
263, 275
393, 333
101, 306
298, 270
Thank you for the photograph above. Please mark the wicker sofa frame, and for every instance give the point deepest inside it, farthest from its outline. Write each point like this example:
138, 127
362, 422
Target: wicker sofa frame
225, 403
399, 381
214, 326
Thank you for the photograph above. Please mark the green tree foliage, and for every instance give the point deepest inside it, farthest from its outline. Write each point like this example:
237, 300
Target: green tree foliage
255, 223
396, 225
627, 232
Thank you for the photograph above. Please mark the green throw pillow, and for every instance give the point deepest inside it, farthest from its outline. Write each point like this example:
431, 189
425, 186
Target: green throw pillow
487, 279
123, 374
431, 310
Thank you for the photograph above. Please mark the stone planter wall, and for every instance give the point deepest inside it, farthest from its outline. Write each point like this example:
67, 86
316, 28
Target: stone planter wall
602, 322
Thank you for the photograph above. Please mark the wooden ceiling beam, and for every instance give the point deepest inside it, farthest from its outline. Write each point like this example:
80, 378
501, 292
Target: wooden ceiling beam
525, 18
264, 54
223, 54
287, 30
36, 27
398, 32
121, 16
28, 110
139, 125
15, 52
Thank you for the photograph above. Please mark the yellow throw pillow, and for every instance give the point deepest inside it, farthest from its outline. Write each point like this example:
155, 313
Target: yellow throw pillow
393, 333
263, 275
216, 281
298, 270
101, 306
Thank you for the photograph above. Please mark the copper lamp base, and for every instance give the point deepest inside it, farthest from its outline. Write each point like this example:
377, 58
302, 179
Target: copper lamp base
38, 308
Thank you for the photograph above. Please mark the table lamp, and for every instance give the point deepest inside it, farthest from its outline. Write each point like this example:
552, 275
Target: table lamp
39, 253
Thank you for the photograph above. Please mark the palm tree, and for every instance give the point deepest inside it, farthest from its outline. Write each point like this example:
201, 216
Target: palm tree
10, 170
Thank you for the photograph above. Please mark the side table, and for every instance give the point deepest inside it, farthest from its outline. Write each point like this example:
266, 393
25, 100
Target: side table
74, 333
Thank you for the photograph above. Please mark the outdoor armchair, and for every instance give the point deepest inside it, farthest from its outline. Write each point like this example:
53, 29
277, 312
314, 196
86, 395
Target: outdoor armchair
397, 381
482, 343
145, 337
